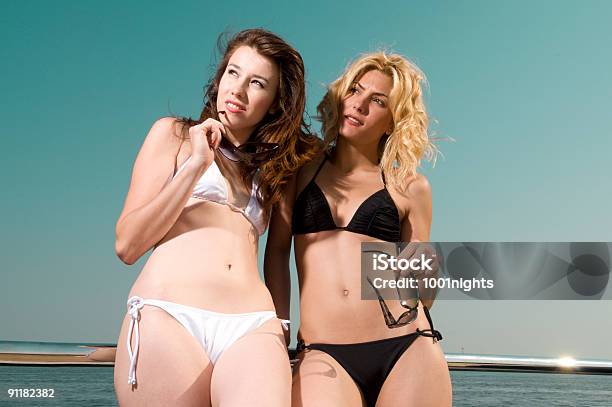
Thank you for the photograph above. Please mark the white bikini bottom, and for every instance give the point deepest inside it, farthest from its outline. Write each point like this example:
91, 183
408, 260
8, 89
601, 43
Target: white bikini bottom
215, 331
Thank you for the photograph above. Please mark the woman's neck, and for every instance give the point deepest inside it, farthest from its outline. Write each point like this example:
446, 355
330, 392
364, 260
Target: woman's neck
350, 157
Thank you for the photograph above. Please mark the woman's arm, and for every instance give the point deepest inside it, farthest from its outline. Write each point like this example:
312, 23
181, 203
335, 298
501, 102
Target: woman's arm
278, 251
417, 224
153, 204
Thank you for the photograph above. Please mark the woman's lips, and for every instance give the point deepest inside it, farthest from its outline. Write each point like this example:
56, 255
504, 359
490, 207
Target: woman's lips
352, 120
234, 107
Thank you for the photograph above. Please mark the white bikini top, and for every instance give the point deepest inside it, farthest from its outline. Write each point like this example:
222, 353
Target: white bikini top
212, 187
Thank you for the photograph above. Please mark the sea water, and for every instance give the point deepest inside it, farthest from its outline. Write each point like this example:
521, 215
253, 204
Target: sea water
93, 386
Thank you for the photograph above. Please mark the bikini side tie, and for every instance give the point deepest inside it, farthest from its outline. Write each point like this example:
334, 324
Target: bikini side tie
285, 323
134, 305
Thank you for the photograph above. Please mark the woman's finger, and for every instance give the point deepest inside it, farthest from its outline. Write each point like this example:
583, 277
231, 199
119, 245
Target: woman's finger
409, 250
216, 137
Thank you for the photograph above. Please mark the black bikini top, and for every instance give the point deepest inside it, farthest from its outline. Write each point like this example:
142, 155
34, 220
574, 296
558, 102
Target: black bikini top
376, 217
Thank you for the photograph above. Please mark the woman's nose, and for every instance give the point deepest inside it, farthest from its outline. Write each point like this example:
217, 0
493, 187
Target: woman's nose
239, 89
360, 105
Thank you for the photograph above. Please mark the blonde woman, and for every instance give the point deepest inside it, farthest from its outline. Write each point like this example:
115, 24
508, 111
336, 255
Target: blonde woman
365, 188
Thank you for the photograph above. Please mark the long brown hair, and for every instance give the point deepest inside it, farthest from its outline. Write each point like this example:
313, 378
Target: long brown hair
286, 126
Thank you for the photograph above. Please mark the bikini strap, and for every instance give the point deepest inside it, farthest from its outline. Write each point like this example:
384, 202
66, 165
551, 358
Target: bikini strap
431, 332
285, 323
301, 346
320, 166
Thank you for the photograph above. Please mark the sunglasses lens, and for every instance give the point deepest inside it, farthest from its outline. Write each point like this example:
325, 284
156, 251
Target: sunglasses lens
228, 150
407, 317
410, 303
230, 155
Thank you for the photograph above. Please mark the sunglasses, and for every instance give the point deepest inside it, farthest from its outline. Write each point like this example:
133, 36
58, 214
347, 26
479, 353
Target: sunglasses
408, 316
250, 154
405, 318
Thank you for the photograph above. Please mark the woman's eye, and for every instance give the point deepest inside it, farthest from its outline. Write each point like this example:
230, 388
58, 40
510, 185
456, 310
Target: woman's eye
380, 102
353, 90
256, 82
232, 72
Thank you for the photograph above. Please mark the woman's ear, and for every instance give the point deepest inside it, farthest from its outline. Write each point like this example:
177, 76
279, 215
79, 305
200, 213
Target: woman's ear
390, 128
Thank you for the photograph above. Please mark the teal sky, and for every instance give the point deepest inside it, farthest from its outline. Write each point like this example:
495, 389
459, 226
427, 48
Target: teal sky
523, 87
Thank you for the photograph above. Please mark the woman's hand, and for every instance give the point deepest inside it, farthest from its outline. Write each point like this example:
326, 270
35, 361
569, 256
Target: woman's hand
418, 250
205, 138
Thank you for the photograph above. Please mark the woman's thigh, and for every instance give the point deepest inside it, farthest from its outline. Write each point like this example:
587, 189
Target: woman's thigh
172, 368
254, 370
419, 378
320, 381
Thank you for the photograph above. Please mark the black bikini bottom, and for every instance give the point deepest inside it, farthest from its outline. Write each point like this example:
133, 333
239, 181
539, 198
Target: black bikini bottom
369, 363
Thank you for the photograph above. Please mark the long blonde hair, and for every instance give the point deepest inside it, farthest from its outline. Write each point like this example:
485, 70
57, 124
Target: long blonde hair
409, 140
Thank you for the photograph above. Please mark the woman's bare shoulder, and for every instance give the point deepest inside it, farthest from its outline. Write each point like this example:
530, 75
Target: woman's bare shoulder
167, 129
418, 186
416, 191
308, 170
